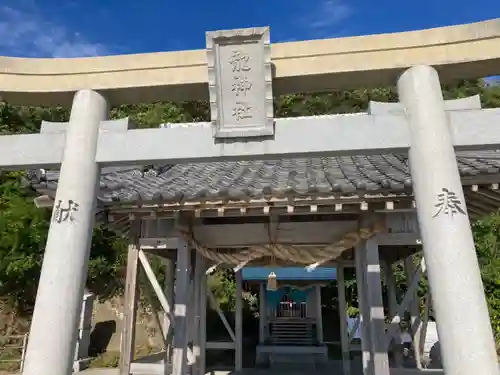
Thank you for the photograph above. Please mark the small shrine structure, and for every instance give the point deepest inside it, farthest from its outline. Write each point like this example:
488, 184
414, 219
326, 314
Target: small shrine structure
290, 313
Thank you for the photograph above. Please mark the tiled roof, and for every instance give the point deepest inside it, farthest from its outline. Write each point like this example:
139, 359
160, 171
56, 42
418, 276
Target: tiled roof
237, 180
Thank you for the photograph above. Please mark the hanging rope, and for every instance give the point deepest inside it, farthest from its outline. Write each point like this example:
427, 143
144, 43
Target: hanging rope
311, 257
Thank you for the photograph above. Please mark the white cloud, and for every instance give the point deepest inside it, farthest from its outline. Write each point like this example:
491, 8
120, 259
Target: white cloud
326, 17
330, 13
26, 33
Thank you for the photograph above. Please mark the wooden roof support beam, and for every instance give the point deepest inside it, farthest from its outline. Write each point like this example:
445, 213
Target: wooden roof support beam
485, 199
478, 208
491, 194
479, 201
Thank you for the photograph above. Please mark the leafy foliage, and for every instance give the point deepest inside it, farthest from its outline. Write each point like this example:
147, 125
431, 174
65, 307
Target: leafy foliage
487, 240
223, 285
106, 264
151, 115
23, 231
22, 119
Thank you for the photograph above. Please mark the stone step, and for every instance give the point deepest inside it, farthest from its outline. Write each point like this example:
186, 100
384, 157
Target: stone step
292, 362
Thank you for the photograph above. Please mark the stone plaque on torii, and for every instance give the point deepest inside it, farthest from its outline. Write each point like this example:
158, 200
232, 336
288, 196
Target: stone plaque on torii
240, 83
424, 125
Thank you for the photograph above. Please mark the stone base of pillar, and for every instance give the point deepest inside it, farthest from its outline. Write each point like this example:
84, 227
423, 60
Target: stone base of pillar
81, 364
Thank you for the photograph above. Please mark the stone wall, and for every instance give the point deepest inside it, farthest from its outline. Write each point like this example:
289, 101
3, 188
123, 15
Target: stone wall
107, 322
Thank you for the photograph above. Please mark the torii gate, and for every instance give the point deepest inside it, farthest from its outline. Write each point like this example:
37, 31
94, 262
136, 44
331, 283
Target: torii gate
240, 86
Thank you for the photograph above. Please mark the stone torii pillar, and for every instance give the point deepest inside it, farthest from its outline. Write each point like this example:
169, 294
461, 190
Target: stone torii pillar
464, 328
53, 331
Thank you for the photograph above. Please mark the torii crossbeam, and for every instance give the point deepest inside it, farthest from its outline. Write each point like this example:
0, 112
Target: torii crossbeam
332, 135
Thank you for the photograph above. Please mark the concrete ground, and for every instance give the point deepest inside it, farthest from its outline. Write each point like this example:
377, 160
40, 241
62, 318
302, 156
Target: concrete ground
332, 368
114, 371
400, 371
99, 371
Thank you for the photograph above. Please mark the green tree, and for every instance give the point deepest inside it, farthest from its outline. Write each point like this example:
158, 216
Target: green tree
487, 239
23, 229
23, 232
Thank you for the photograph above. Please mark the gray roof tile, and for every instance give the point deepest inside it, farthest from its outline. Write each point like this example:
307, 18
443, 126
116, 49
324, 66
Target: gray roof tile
237, 180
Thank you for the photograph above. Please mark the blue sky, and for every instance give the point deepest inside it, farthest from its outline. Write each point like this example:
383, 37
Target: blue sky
70, 28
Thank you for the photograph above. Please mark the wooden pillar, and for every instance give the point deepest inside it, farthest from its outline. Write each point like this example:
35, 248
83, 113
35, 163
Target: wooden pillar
414, 326
179, 355
376, 308
190, 321
203, 320
238, 323
344, 334
199, 272
169, 295
319, 314
130, 309
393, 306
262, 313
364, 316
